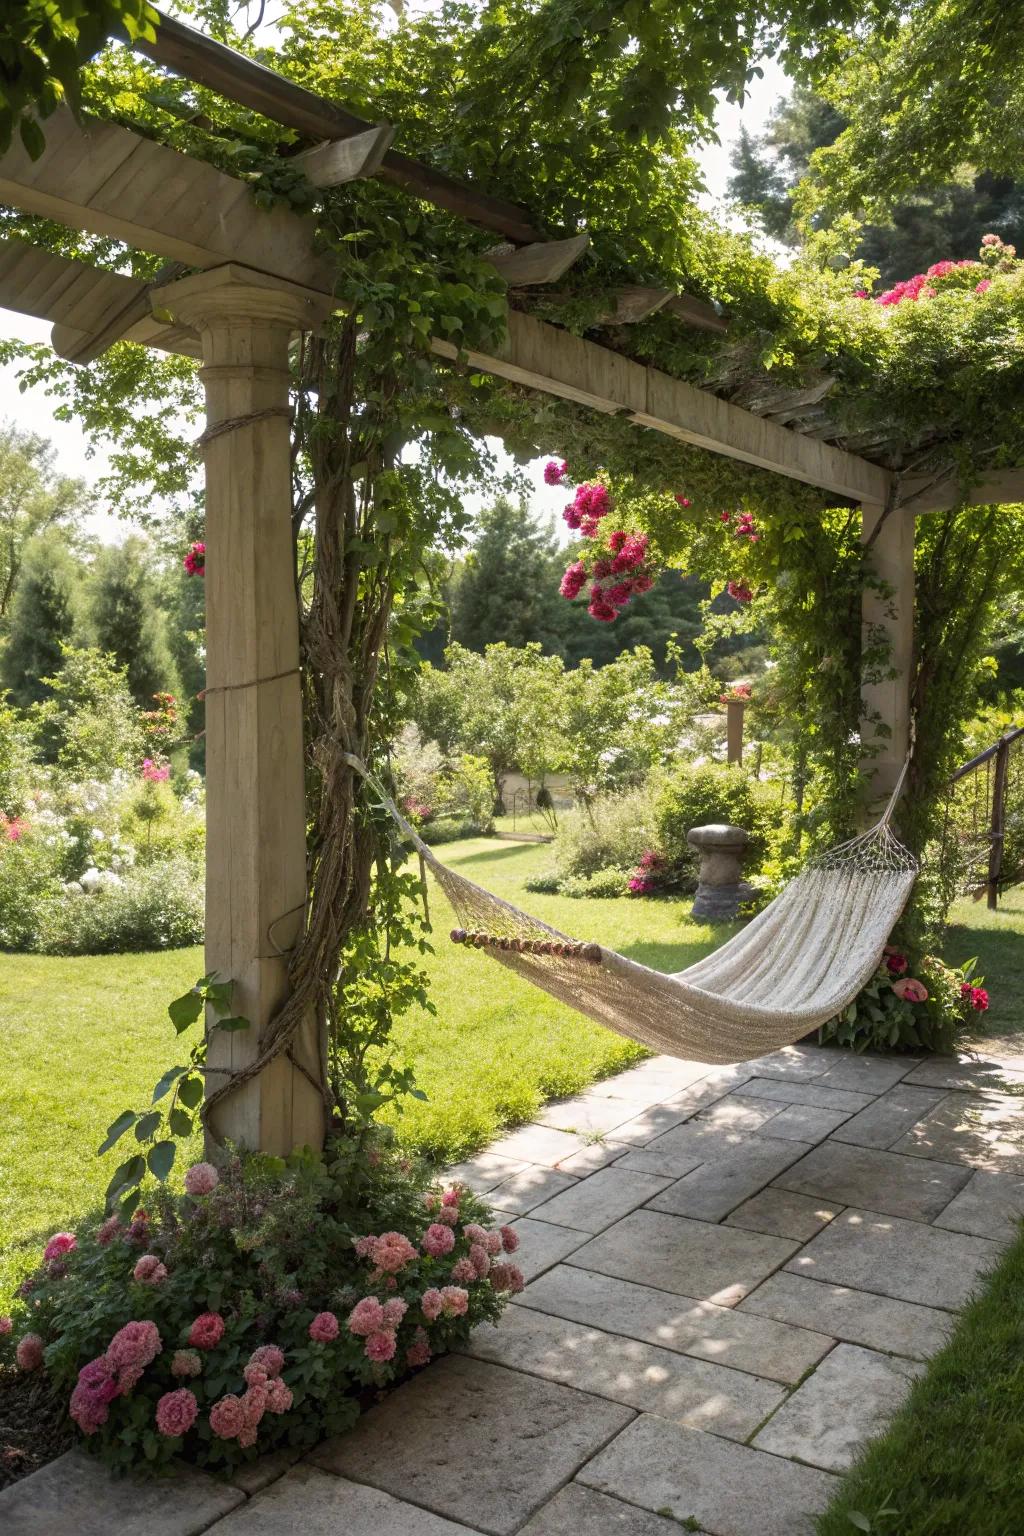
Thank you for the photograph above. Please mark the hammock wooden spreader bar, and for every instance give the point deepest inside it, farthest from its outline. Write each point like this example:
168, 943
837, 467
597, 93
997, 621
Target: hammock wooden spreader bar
798, 963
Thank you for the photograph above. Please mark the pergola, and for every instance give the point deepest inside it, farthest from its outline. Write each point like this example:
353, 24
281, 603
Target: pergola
254, 279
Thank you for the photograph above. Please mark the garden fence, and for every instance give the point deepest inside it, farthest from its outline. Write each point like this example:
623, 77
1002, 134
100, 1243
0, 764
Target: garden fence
983, 833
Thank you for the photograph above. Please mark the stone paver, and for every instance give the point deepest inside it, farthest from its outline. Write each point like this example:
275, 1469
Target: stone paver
730, 1490
681, 1107
589, 1113
316, 1503
667, 1074
964, 1073
538, 1144
737, 1113
784, 1214
885, 1121
597, 1154
795, 1063
699, 1328
579, 1511
76, 1493
543, 1244
878, 1322
677, 1387
989, 1205
868, 1074
796, 1091
485, 1171
984, 1132
804, 1122
533, 1186
848, 1399
689, 1258
903, 1259
253, 1476
875, 1181
722, 1183
475, 1442
597, 1202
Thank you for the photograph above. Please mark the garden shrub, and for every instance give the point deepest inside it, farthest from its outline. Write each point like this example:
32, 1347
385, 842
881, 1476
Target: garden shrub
602, 883
260, 1308
924, 1005
153, 906
547, 882
447, 829
698, 795
609, 832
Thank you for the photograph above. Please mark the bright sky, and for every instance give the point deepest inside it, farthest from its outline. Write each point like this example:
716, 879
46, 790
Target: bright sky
31, 410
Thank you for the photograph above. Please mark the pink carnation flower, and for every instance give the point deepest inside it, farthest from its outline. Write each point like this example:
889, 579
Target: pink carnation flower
323, 1328
60, 1244
911, 990
207, 1331
269, 1358
431, 1304
493, 1243
135, 1345
480, 1260
279, 1396
419, 1351
366, 1317
438, 1240
186, 1362
93, 1394
507, 1277
176, 1412
389, 1253
509, 1239
226, 1417
29, 1353
474, 1232
394, 1311
201, 1178
255, 1376
448, 1215
464, 1270
452, 1196
454, 1300
149, 1270
380, 1347
254, 1405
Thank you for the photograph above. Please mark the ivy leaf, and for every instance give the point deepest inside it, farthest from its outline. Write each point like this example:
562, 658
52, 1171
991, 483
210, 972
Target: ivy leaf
190, 1092
185, 1010
125, 1176
148, 1124
218, 995
114, 1132
161, 1159
166, 1082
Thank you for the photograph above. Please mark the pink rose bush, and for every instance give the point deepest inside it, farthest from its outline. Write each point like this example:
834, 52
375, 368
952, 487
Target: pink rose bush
913, 1002
195, 559
243, 1315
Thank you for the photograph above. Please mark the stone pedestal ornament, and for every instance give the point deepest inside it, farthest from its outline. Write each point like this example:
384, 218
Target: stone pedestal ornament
721, 889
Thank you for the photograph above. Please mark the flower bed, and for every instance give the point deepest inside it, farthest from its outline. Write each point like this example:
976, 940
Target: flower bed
256, 1310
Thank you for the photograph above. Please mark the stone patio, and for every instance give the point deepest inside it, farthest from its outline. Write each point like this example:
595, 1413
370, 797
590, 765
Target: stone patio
735, 1275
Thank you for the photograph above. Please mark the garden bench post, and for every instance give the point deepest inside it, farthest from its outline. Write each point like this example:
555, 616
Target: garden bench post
256, 819
885, 703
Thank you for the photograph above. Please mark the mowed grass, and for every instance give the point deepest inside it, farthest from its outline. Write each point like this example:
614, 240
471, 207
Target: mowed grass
82, 1039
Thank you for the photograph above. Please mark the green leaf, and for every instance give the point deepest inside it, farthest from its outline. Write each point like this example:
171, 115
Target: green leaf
190, 1091
125, 1176
179, 1122
161, 1159
129, 1204
148, 1124
185, 1010
218, 995
232, 1023
861, 1522
123, 1123
169, 1078
32, 137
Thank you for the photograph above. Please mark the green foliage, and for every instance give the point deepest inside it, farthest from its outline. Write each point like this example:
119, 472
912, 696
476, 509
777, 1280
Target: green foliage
616, 722
698, 796
43, 618
153, 906
466, 792
126, 621
506, 588
17, 753
88, 725
601, 885
33, 499
611, 831
879, 1020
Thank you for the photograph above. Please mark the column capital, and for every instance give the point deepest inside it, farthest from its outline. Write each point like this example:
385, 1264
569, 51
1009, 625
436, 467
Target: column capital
232, 293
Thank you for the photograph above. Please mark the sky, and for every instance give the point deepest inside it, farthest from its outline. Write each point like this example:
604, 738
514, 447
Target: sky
31, 410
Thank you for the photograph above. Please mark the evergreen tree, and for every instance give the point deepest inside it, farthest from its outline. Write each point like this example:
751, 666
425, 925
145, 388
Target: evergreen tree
127, 621
506, 591
43, 617
671, 607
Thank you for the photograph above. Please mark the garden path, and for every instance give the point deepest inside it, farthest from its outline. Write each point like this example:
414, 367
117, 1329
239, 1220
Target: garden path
734, 1276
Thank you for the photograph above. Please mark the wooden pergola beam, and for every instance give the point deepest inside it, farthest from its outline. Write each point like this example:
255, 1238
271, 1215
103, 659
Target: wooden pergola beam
920, 493
340, 160
544, 262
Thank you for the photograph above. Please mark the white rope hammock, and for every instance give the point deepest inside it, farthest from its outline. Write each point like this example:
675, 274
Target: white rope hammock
798, 963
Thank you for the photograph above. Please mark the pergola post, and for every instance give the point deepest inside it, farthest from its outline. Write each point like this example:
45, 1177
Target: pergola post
256, 822
885, 705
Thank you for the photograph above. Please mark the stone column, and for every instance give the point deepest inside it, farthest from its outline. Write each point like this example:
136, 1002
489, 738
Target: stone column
255, 793
887, 737
735, 709
721, 889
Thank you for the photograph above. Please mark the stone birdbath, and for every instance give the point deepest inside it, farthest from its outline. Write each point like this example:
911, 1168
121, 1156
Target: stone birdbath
721, 889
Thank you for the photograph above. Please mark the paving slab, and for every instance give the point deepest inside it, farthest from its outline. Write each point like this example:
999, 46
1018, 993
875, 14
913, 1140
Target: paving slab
533, 1186
483, 1172
796, 1091
674, 1111
542, 1244
699, 1328
688, 1258
985, 1132
579, 1511
804, 1122
597, 1154
730, 1490
879, 1322
475, 1442
669, 1073
794, 1063
589, 1113
868, 1074
317, 1503
849, 1398
784, 1214
966, 1072
875, 1181
538, 1144
596, 1202
253, 1476
891, 1257
886, 1120
77, 1493
722, 1183
737, 1113
692, 1145
989, 1205
679, 1387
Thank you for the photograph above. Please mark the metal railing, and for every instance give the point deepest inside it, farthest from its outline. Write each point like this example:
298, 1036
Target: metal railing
985, 817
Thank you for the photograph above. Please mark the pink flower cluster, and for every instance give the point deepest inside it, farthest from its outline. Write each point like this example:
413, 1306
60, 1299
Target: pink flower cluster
739, 591
149, 1270
207, 1331
155, 773
378, 1322
619, 575
589, 505
438, 1240
449, 1301
12, 827
237, 1418
745, 528
176, 1412
739, 693
922, 285
388, 1253
555, 472
644, 880
910, 990
61, 1244
976, 996
195, 559
201, 1179
683, 501
113, 1374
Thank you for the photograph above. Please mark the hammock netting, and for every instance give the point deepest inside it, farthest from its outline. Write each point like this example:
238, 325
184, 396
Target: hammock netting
798, 963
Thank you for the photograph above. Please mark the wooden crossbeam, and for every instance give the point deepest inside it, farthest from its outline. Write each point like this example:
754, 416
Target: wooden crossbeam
543, 262
922, 493
341, 160
695, 312
634, 303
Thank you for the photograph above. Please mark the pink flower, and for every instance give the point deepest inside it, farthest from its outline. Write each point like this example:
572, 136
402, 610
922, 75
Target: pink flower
149, 1270
452, 1197
186, 1362
390, 1252
573, 580
448, 1215
380, 1347
480, 1260
254, 1405
555, 473
394, 1311
454, 1301
739, 591
419, 1351
911, 990
269, 1358
979, 999
6, 1326
991, 240
438, 1240
279, 1396
60, 1244
255, 1376
431, 1304
474, 1232
366, 1317
29, 1353
897, 964
464, 1270
983, 286
507, 1277
226, 1417
201, 1178
860, 293
176, 1412
493, 1243
207, 1331
684, 501
155, 773
109, 1230
136, 1344
93, 1394
323, 1328
509, 1239
195, 559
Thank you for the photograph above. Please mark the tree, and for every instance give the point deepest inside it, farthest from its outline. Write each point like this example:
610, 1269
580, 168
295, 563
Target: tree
33, 498
617, 721
126, 620
43, 617
506, 590
88, 723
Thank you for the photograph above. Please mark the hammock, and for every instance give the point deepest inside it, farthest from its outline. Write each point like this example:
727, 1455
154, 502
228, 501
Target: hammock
798, 963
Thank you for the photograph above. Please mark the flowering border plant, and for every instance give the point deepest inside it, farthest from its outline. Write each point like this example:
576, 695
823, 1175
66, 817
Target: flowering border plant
919, 1005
